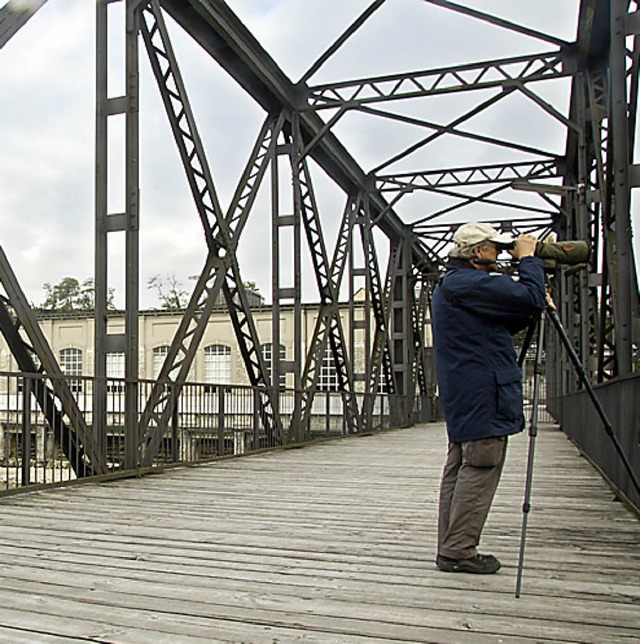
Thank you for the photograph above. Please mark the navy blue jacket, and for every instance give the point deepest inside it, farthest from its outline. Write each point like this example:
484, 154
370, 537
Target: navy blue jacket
476, 363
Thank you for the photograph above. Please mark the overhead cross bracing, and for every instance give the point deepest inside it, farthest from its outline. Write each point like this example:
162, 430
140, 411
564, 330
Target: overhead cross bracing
496, 117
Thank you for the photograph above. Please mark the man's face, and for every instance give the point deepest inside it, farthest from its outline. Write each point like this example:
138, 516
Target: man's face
487, 251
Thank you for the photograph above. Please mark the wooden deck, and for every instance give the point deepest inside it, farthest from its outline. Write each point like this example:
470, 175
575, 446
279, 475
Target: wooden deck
330, 543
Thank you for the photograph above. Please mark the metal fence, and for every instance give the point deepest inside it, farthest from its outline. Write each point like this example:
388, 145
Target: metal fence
544, 416
41, 443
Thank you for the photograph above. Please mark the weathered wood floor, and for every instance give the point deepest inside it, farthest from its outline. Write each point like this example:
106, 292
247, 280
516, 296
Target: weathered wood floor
330, 543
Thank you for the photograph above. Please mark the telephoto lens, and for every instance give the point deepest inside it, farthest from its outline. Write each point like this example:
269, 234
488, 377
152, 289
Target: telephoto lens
564, 252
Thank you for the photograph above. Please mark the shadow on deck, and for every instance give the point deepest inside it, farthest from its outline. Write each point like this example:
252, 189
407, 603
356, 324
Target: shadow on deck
330, 543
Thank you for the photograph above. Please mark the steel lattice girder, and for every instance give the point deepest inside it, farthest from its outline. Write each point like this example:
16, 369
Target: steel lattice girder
14, 15
222, 34
33, 354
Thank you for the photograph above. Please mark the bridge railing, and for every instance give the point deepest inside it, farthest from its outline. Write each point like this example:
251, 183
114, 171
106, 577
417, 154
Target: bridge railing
620, 400
210, 421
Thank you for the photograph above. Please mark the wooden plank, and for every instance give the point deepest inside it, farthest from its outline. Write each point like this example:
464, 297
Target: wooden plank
171, 581
331, 543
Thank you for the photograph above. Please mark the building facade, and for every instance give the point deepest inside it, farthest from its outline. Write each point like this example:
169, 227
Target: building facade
218, 359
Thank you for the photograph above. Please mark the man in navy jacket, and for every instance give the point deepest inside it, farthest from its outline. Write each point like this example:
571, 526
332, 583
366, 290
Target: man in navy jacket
474, 313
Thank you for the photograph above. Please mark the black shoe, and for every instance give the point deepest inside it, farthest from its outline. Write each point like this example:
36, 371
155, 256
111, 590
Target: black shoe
478, 564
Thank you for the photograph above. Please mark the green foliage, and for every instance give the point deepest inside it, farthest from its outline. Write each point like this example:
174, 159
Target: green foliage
71, 295
174, 298
170, 292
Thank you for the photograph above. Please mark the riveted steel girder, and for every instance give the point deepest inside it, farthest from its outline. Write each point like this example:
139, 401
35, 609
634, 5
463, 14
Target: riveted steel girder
444, 80
33, 354
227, 40
14, 15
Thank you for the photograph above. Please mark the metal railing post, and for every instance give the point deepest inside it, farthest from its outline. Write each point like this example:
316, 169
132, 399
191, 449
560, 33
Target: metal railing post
26, 431
175, 426
221, 394
256, 418
327, 426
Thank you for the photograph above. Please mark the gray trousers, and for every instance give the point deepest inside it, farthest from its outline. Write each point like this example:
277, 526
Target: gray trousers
469, 482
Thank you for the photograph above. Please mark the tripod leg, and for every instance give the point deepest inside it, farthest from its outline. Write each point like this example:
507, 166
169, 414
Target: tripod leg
608, 427
527, 341
533, 432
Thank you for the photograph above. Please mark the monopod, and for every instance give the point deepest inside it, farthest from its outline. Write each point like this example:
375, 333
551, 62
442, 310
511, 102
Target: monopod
551, 312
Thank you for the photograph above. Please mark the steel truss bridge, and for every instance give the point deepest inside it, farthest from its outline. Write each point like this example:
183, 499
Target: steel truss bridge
583, 191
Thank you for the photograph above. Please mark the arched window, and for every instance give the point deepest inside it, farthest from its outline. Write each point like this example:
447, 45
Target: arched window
159, 355
217, 364
115, 369
267, 354
71, 365
328, 379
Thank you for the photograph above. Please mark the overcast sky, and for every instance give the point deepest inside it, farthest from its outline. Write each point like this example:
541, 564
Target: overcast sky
47, 109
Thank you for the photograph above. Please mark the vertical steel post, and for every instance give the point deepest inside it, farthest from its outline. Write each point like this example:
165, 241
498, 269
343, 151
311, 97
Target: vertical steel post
621, 192
26, 431
581, 224
221, 412
106, 222
291, 293
100, 268
297, 365
360, 328
402, 336
175, 429
132, 234
353, 272
256, 418
275, 275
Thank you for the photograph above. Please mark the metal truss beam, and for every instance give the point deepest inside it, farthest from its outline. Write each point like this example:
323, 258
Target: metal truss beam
470, 175
327, 323
401, 299
455, 131
619, 220
335, 46
227, 40
14, 15
593, 182
183, 125
499, 22
445, 80
419, 317
327, 288
381, 360
603, 305
221, 271
438, 237
33, 354
126, 222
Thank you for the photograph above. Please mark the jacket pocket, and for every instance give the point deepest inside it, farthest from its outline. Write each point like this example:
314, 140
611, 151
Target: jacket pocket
509, 393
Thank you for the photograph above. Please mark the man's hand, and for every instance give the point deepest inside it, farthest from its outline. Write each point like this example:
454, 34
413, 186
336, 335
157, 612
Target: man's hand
525, 246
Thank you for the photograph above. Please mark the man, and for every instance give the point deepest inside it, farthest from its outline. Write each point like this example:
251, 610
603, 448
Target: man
474, 314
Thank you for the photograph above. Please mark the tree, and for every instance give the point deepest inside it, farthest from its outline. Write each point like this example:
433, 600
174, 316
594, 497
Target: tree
172, 296
71, 295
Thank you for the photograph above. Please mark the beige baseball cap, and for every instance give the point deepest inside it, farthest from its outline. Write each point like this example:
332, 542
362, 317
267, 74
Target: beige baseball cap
476, 232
